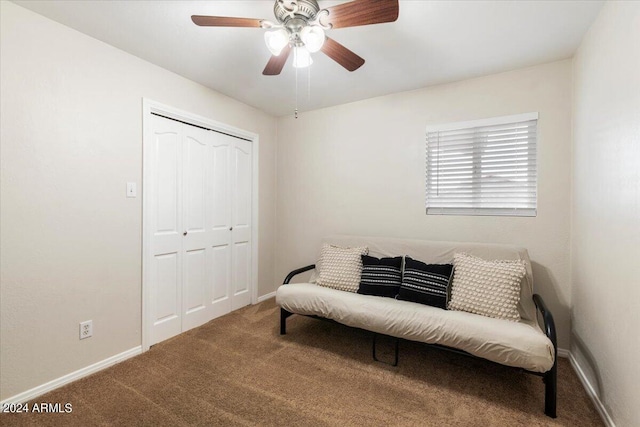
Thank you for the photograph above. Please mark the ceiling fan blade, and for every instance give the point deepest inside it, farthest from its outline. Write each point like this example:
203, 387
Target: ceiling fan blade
342, 55
224, 21
362, 12
276, 63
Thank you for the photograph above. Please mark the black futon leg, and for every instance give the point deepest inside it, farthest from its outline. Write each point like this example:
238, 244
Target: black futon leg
551, 391
283, 320
396, 344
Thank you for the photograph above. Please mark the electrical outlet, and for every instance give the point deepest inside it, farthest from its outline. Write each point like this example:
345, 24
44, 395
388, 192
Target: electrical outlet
86, 329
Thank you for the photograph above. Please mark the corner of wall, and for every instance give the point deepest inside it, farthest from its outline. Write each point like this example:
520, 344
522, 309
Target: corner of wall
582, 364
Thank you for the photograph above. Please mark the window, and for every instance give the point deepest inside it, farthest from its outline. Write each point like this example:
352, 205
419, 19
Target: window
483, 167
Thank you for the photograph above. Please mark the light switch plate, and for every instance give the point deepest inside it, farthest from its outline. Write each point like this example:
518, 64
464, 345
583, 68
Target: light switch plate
131, 189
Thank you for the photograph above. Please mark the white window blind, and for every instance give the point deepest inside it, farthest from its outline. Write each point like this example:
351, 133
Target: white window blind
484, 167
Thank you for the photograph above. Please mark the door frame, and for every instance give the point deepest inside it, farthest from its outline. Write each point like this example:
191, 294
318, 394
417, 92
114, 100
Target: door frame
149, 107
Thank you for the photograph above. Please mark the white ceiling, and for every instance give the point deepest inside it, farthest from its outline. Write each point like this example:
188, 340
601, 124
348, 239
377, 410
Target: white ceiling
432, 42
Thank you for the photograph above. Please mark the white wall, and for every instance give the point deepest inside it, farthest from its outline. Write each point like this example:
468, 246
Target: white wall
71, 137
360, 169
606, 209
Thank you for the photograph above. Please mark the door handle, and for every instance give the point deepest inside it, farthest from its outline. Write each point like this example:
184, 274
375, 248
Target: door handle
184, 234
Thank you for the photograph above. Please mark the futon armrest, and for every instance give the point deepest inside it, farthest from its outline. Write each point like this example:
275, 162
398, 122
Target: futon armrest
549, 324
551, 376
298, 271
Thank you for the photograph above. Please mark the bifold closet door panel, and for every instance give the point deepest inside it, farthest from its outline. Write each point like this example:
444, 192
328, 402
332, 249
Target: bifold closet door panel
220, 223
197, 192
241, 221
165, 223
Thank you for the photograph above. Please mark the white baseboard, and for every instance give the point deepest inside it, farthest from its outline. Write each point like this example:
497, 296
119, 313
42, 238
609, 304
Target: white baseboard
73, 376
563, 352
590, 391
267, 296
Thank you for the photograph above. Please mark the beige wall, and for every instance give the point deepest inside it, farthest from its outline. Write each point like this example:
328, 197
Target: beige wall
71, 137
606, 209
360, 168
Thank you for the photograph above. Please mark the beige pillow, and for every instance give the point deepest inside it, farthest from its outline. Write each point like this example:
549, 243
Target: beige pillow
340, 268
488, 288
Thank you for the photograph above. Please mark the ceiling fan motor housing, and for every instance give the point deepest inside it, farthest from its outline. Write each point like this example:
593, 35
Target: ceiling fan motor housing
284, 10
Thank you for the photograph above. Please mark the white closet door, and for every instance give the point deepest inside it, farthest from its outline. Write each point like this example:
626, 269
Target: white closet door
241, 223
220, 223
196, 249
200, 222
165, 225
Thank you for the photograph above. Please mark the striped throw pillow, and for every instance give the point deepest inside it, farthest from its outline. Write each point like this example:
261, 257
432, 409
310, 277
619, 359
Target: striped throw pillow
425, 283
380, 276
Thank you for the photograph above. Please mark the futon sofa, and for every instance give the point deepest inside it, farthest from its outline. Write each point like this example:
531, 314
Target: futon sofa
520, 344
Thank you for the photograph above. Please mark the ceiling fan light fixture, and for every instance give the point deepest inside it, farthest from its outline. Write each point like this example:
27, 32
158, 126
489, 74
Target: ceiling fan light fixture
313, 37
276, 40
301, 57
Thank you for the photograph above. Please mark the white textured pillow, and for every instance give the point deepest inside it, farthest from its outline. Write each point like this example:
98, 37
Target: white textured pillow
340, 268
488, 288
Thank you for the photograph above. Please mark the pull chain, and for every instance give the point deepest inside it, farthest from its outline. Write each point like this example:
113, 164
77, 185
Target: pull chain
295, 59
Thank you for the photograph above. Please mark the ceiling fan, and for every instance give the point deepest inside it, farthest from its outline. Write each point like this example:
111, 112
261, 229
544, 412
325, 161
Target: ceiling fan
301, 26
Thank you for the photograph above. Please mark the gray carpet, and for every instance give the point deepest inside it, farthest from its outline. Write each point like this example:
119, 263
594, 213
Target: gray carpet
237, 370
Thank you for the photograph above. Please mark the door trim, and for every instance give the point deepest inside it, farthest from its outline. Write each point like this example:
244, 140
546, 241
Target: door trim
150, 107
